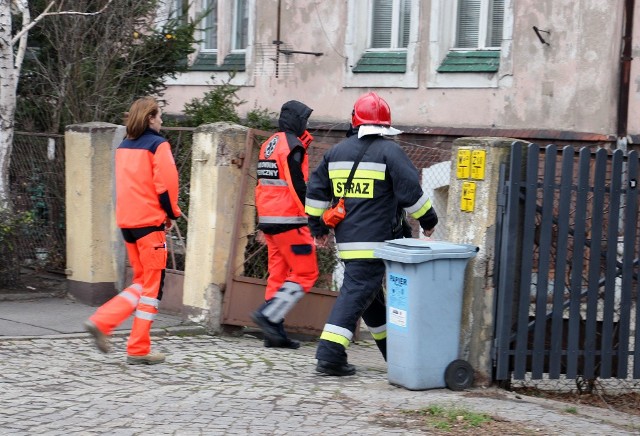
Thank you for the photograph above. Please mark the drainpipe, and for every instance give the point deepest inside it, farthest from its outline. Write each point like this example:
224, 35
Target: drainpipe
625, 73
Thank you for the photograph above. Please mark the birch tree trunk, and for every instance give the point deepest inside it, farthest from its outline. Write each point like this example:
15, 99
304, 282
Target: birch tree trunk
9, 74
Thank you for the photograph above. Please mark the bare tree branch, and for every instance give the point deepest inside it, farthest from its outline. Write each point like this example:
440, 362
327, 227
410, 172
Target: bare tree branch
46, 13
22, 47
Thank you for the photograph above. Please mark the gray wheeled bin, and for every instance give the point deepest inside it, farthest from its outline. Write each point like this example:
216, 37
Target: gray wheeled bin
424, 309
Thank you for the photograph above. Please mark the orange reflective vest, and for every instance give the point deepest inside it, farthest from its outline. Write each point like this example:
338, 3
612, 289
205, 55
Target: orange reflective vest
276, 198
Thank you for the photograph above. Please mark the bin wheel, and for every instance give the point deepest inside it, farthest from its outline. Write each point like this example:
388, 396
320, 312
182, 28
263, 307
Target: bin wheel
459, 375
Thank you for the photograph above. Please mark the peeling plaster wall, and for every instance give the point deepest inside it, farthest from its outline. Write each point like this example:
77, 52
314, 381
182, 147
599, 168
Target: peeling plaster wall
571, 84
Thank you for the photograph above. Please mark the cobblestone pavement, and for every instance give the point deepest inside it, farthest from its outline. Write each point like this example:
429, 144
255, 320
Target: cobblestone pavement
214, 385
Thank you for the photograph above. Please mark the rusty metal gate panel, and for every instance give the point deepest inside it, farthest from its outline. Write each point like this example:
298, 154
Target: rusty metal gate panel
247, 272
567, 268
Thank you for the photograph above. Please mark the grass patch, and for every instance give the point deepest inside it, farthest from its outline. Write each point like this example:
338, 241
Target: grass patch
443, 418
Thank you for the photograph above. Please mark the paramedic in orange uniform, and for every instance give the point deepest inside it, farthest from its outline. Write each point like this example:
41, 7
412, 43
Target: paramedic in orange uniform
146, 203
282, 173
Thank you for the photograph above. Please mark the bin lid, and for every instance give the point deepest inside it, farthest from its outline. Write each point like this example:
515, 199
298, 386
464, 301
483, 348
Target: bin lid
411, 250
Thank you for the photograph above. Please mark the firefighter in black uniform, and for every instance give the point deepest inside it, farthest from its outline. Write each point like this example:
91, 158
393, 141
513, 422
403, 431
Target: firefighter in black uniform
385, 180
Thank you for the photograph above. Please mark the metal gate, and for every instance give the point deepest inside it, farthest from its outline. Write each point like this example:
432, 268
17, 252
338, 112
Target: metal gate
246, 277
567, 265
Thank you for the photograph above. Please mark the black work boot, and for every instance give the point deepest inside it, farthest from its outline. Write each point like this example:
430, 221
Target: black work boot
284, 342
337, 369
270, 329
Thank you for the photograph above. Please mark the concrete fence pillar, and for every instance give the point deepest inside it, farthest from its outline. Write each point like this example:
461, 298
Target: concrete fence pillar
91, 242
471, 219
215, 185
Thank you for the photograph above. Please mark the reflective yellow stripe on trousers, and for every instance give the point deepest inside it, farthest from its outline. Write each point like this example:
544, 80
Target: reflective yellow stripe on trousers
337, 334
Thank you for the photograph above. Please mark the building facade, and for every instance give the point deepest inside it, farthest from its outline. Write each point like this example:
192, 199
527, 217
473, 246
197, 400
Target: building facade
542, 70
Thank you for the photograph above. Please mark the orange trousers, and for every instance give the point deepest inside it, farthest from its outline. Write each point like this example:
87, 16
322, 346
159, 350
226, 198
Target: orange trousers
148, 258
292, 258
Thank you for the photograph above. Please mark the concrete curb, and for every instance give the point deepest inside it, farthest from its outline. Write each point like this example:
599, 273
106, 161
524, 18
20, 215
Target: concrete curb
22, 296
187, 330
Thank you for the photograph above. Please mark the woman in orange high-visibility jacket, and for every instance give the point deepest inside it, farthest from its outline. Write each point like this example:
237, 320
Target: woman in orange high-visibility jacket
146, 202
282, 174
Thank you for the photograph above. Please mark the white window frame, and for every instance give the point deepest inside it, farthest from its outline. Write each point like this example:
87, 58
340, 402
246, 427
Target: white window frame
483, 27
443, 34
174, 8
205, 24
358, 40
226, 18
234, 27
395, 27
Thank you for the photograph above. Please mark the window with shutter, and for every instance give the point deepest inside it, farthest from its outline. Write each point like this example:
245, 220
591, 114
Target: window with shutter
382, 42
468, 36
389, 30
390, 24
479, 25
230, 41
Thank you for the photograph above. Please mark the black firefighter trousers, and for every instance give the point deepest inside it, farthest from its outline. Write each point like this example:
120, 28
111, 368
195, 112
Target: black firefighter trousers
361, 296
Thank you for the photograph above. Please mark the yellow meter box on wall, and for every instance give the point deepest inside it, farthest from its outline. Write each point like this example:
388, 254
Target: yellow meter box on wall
463, 163
478, 160
468, 198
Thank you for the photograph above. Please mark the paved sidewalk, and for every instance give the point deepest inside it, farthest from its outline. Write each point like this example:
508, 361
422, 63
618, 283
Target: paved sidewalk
55, 316
54, 382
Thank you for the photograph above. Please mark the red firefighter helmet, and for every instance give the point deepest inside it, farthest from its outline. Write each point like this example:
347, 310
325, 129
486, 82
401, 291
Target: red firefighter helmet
371, 109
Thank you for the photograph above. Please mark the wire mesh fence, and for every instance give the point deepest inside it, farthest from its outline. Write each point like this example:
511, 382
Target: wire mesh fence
37, 193
433, 160
37, 234
181, 140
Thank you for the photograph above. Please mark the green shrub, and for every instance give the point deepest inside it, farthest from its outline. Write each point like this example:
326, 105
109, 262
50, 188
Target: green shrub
219, 104
12, 230
261, 119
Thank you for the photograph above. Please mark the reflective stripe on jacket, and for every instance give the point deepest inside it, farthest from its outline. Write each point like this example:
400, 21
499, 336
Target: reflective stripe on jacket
146, 182
384, 180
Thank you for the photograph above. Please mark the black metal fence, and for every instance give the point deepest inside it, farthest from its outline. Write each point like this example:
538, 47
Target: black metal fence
567, 273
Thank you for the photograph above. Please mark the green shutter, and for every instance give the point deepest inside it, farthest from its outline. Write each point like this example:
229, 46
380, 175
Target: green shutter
382, 62
486, 61
234, 62
209, 62
205, 62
